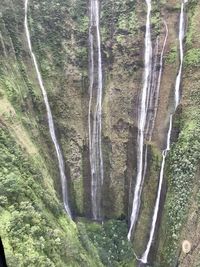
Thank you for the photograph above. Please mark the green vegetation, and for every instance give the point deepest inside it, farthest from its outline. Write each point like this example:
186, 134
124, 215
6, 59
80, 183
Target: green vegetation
120, 31
34, 228
59, 34
171, 57
192, 57
110, 240
182, 167
193, 30
156, 17
183, 159
156, 22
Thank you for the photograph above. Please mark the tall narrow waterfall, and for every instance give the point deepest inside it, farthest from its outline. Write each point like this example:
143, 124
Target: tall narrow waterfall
153, 96
165, 151
95, 111
50, 118
156, 208
142, 121
181, 37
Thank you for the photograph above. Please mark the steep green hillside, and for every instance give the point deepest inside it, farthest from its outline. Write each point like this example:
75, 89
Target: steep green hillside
180, 217
34, 228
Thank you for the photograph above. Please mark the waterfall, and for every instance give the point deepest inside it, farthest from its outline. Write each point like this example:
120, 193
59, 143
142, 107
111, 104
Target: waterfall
181, 37
142, 121
151, 107
95, 111
165, 151
50, 118
153, 98
156, 207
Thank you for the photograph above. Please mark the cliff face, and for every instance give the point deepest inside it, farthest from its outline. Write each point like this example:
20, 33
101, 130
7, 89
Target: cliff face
59, 34
34, 228
64, 63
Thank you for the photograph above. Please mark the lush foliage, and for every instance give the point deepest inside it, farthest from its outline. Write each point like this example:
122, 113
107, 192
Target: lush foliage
34, 228
182, 167
192, 57
110, 240
59, 34
184, 157
172, 55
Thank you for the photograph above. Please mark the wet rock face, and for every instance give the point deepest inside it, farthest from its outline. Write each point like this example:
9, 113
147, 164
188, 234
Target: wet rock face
64, 62
120, 36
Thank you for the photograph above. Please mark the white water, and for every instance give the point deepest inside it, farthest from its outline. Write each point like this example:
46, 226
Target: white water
181, 37
156, 207
147, 134
142, 121
164, 153
95, 124
50, 118
154, 96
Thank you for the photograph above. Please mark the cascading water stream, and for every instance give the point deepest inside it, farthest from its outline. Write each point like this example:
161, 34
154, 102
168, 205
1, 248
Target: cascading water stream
94, 122
181, 37
154, 96
150, 109
153, 99
50, 118
156, 208
142, 121
165, 151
